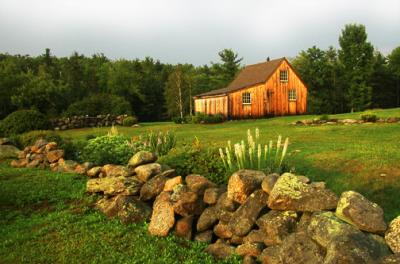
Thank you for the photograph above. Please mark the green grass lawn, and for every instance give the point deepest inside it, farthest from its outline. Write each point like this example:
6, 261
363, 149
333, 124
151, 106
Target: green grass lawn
345, 156
46, 217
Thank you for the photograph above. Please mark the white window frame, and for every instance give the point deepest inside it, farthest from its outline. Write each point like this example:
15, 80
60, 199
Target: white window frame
292, 95
246, 98
284, 76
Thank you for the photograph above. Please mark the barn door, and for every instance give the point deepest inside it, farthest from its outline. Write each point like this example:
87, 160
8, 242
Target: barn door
268, 109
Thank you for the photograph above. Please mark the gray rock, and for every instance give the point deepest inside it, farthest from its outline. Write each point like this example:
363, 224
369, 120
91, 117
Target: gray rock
153, 187
140, 158
145, 172
244, 218
220, 250
163, 216
357, 210
207, 219
8, 152
243, 183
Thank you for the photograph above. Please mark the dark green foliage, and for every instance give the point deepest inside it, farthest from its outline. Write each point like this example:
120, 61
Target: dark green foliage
201, 118
99, 104
369, 117
324, 118
129, 121
180, 120
29, 138
198, 160
114, 149
22, 121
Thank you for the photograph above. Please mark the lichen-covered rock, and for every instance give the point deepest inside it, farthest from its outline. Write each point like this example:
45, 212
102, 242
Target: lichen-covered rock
356, 248
271, 255
187, 203
269, 182
299, 248
222, 230
54, 155
8, 152
220, 250
183, 227
324, 227
114, 185
5, 141
343, 242
127, 208
205, 236
171, 183
291, 194
198, 184
94, 172
277, 225
249, 260
211, 195
153, 187
245, 216
392, 235
207, 219
244, 182
391, 259
145, 172
357, 210
255, 236
250, 249
163, 216
236, 240
19, 163
226, 204
50, 146
111, 170
141, 157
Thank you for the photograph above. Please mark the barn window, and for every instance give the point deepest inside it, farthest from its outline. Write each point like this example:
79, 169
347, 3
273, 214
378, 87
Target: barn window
292, 95
246, 98
284, 76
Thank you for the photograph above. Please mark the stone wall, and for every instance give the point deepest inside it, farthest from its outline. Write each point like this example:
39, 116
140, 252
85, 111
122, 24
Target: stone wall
267, 218
64, 123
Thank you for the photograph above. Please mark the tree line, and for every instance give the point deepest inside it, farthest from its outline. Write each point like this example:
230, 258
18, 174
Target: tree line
353, 77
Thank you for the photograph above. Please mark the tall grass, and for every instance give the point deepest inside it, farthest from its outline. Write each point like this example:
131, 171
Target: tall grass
159, 143
252, 154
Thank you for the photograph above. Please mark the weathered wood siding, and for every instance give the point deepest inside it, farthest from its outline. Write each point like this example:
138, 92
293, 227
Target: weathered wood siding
212, 105
278, 99
270, 98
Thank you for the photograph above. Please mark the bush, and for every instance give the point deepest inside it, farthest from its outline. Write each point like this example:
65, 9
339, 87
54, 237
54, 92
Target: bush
204, 161
99, 104
201, 118
369, 117
114, 149
323, 118
129, 121
29, 138
179, 120
22, 121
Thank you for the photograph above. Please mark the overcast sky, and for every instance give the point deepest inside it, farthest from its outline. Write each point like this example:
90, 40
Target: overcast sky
190, 31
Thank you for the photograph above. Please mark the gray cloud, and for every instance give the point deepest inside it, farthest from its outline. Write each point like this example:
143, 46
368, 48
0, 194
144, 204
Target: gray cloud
190, 31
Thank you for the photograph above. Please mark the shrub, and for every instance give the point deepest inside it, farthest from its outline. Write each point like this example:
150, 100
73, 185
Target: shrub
369, 117
201, 118
22, 121
99, 104
269, 158
178, 120
29, 138
129, 121
159, 143
114, 149
323, 118
198, 160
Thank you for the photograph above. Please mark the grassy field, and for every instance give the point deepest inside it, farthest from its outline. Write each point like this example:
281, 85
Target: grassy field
365, 157
46, 217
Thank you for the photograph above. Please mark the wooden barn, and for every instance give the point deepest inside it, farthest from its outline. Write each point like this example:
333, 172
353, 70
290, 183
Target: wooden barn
265, 89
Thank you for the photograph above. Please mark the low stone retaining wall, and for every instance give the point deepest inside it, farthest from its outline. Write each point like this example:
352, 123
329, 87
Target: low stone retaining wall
270, 218
64, 123
347, 121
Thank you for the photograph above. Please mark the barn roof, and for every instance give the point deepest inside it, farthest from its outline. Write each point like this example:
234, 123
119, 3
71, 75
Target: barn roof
248, 76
